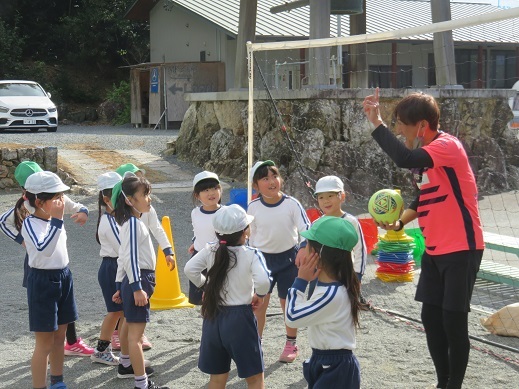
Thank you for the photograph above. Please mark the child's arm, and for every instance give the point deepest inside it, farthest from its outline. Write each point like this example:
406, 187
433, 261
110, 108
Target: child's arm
128, 262
8, 227
195, 266
158, 232
46, 244
79, 211
302, 223
301, 312
360, 253
260, 274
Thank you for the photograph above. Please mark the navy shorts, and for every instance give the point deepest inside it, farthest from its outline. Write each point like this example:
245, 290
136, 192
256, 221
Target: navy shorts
106, 277
133, 313
447, 280
231, 335
50, 296
195, 293
283, 270
332, 369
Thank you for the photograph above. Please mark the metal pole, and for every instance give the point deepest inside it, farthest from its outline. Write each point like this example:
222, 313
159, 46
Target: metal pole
165, 99
250, 120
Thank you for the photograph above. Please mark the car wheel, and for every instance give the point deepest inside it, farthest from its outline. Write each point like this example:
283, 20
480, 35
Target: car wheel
34, 129
52, 129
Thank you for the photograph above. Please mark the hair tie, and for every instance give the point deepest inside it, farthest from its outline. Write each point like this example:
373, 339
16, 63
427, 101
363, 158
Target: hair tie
24, 197
223, 242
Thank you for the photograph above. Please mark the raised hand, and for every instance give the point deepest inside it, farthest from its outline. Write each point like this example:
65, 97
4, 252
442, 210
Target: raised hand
57, 208
371, 106
307, 267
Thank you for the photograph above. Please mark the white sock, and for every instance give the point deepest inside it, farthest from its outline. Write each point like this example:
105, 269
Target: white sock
141, 381
124, 360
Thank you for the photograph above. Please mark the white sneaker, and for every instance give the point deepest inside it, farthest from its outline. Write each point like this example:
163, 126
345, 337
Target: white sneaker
106, 357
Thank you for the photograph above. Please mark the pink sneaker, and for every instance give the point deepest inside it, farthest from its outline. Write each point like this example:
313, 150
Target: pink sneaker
79, 348
289, 353
115, 342
146, 344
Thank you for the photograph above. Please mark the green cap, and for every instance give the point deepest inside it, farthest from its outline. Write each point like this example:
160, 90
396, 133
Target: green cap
24, 170
333, 232
129, 167
116, 191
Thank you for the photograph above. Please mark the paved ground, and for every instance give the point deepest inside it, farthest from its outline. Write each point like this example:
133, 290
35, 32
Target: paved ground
392, 351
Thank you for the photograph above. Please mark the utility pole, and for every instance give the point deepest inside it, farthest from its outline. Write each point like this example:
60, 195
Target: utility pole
443, 45
246, 32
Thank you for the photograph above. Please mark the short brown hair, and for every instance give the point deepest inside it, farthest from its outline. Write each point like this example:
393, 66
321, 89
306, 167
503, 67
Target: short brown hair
418, 106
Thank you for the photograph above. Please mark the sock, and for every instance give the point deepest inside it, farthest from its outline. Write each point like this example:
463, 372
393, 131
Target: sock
71, 333
141, 381
124, 360
292, 340
102, 345
54, 379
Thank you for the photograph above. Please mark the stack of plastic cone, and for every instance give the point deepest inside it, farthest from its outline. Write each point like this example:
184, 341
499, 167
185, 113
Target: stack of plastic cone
395, 257
167, 293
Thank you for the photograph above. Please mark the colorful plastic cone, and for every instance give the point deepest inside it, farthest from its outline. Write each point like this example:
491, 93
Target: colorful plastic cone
167, 293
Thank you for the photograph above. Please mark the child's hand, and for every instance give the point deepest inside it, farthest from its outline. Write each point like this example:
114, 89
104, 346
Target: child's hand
300, 256
140, 297
191, 249
170, 262
307, 268
116, 298
80, 218
57, 208
257, 301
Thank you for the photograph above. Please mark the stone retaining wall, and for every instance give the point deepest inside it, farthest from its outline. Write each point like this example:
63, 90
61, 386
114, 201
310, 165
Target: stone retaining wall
46, 157
332, 136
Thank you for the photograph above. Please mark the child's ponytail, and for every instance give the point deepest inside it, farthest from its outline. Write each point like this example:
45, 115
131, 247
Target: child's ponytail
224, 261
20, 213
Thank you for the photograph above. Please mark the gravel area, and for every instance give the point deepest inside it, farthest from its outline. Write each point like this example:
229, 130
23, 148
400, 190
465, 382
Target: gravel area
392, 351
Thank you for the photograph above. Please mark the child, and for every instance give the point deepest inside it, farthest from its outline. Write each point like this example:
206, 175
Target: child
135, 280
153, 224
50, 291
274, 231
332, 313
236, 283
108, 237
329, 191
11, 224
207, 191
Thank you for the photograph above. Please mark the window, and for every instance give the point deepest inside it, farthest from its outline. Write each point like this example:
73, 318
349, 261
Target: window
502, 68
380, 75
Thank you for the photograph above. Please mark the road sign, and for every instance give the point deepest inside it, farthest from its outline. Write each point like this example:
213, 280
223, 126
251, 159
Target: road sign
154, 80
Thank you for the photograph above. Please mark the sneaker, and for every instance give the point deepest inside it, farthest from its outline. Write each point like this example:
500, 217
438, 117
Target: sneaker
289, 353
115, 342
153, 385
127, 372
59, 385
79, 348
146, 344
106, 357
147, 362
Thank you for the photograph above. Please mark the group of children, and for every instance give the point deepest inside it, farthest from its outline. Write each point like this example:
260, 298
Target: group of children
237, 259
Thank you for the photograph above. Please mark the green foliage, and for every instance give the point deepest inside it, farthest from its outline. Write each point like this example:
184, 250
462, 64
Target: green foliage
11, 44
120, 96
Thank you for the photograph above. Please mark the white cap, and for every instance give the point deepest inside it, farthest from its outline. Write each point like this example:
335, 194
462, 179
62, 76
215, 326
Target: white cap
108, 180
259, 164
204, 176
45, 182
230, 219
329, 184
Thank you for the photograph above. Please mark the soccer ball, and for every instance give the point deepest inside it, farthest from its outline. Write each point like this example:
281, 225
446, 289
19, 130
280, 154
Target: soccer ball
386, 206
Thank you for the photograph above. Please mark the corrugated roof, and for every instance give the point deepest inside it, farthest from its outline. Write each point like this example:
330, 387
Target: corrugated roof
382, 15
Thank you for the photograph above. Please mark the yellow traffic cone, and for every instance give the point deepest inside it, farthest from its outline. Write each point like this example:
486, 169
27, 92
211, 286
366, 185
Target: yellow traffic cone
167, 293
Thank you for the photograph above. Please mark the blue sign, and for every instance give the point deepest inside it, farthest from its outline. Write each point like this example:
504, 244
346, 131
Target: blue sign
154, 80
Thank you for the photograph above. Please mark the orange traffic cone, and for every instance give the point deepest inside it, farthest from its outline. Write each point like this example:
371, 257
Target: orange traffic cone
167, 293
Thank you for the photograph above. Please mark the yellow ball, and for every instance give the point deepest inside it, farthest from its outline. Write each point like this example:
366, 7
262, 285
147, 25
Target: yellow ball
386, 206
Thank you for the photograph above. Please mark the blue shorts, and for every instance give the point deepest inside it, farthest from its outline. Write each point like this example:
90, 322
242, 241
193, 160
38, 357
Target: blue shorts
342, 369
283, 270
447, 280
50, 296
133, 313
106, 277
232, 334
26, 269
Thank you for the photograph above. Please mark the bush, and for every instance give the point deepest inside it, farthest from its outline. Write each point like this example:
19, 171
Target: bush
11, 44
120, 96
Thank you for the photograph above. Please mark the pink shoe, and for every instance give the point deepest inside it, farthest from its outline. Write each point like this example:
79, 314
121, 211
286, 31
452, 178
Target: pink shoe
289, 353
146, 344
115, 342
79, 348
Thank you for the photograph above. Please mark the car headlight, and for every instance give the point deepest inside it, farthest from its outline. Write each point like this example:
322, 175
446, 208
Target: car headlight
4, 109
52, 109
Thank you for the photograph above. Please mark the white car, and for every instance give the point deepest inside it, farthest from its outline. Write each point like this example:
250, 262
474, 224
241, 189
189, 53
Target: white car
514, 106
26, 105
